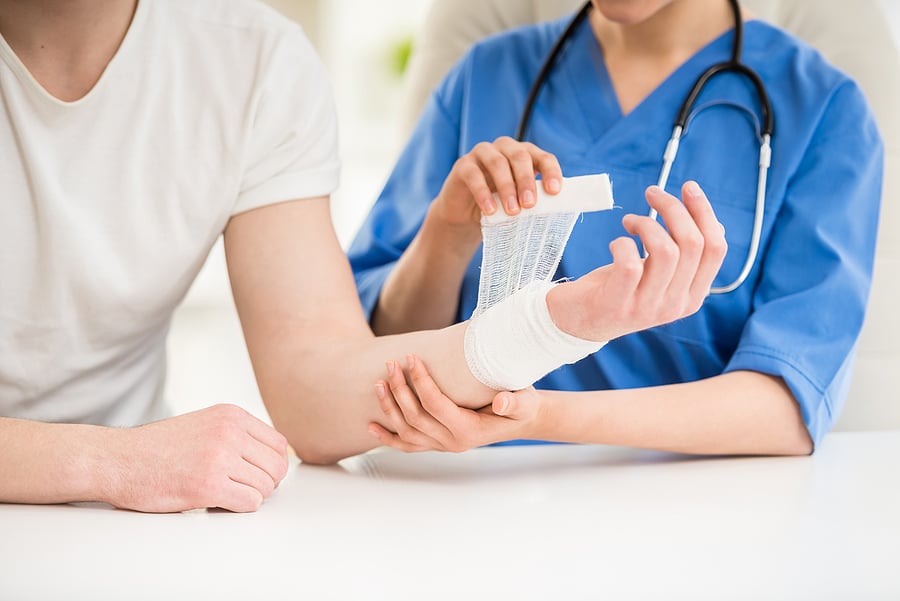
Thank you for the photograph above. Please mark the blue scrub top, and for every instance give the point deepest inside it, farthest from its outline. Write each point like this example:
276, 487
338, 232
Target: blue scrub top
800, 311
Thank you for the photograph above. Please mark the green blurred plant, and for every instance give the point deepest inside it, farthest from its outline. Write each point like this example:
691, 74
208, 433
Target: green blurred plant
398, 55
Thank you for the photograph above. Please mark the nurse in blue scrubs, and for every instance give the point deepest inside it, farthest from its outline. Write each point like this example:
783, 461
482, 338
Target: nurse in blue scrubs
762, 369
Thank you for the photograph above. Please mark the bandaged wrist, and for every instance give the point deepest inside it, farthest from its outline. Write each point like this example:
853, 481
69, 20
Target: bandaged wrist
515, 342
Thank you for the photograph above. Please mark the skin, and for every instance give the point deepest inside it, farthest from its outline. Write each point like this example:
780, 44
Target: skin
643, 42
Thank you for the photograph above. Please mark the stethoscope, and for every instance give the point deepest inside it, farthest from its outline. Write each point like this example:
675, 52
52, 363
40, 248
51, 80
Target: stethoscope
735, 65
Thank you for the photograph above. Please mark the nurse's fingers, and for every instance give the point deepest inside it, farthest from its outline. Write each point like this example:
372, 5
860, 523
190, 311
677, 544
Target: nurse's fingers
714, 244
397, 421
389, 439
628, 267
661, 261
469, 171
496, 166
687, 236
413, 411
432, 398
522, 162
527, 160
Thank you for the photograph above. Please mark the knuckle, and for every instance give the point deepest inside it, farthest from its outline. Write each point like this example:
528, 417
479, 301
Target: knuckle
525, 181
693, 243
267, 487
282, 469
547, 158
249, 502
718, 247
632, 269
471, 173
415, 417
519, 155
405, 431
429, 402
667, 251
496, 162
225, 431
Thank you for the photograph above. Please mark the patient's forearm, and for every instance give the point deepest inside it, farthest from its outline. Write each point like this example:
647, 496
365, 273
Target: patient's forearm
736, 413
51, 463
325, 399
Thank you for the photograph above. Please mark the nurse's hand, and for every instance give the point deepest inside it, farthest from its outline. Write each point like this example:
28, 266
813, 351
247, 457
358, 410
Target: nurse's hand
505, 166
633, 293
220, 456
419, 417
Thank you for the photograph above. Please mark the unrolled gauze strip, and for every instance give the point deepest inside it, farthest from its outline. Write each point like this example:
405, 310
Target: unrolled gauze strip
516, 342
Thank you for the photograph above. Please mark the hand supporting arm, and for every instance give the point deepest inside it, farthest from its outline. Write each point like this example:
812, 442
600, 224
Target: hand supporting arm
738, 413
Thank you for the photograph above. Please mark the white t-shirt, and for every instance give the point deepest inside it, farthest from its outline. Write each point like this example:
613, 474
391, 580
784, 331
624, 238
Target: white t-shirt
110, 204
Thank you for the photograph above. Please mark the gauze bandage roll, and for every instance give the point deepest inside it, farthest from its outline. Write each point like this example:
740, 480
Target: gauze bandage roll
511, 341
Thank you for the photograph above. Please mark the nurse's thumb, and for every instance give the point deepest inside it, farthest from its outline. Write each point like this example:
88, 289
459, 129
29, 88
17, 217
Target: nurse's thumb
507, 404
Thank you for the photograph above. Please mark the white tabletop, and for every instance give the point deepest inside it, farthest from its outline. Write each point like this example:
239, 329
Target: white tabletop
548, 522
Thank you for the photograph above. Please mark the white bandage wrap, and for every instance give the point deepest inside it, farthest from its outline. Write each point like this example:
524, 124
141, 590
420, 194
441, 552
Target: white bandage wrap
515, 342
522, 248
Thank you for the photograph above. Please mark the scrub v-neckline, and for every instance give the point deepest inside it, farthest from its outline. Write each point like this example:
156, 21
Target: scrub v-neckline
596, 95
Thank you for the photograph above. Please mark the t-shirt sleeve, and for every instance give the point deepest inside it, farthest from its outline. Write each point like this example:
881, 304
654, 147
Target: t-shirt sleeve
416, 180
809, 305
291, 149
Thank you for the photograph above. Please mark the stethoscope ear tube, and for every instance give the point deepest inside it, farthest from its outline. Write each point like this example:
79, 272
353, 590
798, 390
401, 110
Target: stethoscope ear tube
542, 75
733, 65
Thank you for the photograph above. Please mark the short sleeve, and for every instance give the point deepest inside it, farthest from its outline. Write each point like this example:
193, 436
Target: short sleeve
809, 305
291, 149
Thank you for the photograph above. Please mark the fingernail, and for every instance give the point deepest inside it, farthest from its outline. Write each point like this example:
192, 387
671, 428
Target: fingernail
554, 185
372, 432
654, 189
527, 199
504, 405
390, 367
511, 205
489, 206
379, 390
410, 361
693, 189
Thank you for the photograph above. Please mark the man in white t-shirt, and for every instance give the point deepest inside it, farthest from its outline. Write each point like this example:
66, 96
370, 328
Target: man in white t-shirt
132, 135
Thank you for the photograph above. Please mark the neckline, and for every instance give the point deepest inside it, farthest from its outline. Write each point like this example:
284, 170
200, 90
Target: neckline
600, 92
28, 80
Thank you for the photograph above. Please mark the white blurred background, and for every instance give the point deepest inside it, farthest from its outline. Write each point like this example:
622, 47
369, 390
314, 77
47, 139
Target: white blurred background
361, 43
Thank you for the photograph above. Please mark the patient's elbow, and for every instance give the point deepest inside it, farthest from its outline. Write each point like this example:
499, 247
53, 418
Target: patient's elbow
315, 446
315, 453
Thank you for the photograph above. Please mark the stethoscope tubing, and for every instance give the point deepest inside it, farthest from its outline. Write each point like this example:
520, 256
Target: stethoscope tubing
733, 65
